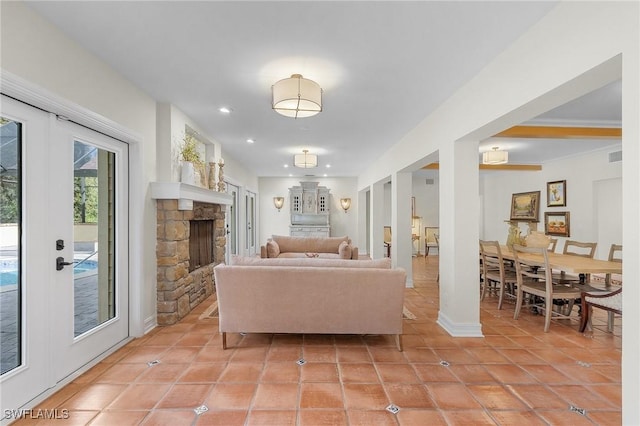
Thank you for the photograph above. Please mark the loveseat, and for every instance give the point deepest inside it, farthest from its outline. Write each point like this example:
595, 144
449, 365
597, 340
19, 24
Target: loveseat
333, 296
280, 246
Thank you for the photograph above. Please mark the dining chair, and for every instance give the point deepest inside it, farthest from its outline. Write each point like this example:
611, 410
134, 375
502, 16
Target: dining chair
437, 238
387, 240
576, 248
429, 239
595, 286
534, 277
553, 242
495, 271
610, 302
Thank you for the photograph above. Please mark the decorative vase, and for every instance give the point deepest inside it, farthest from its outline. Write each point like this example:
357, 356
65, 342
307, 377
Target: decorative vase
188, 173
537, 239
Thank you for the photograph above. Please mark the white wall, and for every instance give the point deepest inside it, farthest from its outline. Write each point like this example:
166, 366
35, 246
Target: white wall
584, 174
38, 52
274, 222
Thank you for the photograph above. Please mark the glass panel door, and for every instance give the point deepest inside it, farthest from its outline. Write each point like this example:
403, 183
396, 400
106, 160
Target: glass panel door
63, 250
251, 217
90, 279
93, 237
10, 245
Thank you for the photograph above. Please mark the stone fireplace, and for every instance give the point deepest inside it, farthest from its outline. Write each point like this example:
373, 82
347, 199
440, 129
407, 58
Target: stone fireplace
180, 290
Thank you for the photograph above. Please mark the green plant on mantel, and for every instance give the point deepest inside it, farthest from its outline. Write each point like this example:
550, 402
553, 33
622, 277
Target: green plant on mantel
189, 150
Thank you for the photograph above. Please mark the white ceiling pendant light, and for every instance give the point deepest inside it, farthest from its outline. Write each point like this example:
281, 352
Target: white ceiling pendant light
296, 97
495, 156
305, 160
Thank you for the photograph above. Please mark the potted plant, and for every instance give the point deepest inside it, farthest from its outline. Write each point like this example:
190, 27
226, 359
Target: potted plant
192, 165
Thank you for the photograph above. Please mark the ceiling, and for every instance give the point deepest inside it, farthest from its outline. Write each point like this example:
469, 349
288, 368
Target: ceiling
383, 67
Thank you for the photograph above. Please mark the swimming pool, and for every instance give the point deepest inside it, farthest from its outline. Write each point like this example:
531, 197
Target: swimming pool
9, 270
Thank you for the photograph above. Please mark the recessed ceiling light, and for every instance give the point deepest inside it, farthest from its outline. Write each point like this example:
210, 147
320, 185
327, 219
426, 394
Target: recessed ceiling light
286, 165
250, 141
328, 166
325, 175
290, 175
225, 110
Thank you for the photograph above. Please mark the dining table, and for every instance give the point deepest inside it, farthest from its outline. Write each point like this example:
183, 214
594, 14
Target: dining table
566, 262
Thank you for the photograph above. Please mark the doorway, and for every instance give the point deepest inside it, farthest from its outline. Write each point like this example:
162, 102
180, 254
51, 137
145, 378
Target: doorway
64, 289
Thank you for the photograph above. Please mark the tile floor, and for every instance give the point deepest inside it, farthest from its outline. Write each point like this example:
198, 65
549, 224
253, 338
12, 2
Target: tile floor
515, 374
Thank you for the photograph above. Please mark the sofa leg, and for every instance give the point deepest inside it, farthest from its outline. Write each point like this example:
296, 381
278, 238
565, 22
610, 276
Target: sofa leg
224, 340
399, 342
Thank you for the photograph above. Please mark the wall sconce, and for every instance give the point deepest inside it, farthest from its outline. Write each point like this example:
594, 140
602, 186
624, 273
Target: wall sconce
278, 202
345, 203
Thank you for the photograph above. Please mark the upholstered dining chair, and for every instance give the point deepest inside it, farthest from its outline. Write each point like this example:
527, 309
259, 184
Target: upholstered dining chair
494, 271
609, 301
535, 279
596, 287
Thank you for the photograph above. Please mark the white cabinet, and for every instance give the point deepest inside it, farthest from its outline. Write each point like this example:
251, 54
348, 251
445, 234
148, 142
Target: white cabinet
310, 210
309, 231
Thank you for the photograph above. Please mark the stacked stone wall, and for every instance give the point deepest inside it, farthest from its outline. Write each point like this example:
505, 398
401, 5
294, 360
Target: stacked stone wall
179, 291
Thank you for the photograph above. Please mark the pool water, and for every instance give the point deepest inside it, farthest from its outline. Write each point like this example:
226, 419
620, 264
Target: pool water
9, 270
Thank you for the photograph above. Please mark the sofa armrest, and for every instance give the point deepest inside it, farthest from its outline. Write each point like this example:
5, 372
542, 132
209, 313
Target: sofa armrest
354, 253
263, 252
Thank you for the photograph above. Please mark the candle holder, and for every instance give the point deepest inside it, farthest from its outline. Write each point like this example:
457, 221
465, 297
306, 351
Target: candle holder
221, 185
212, 175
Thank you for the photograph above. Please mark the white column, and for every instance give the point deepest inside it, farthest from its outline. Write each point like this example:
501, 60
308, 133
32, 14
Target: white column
459, 270
401, 243
376, 208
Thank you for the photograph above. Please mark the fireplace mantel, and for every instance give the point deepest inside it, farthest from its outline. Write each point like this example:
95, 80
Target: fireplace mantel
186, 194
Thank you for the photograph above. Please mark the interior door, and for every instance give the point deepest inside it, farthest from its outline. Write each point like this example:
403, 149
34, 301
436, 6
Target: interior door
68, 300
251, 220
232, 222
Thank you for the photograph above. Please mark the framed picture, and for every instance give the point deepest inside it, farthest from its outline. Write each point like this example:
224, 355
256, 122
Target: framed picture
556, 223
557, 193
525, 206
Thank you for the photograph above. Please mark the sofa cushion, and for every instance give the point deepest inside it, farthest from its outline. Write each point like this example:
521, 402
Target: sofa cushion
344, 250
273, 249
308, 244
384, 263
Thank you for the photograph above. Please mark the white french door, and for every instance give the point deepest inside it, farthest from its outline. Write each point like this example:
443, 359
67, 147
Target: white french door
67, 302
232, 222
250, 204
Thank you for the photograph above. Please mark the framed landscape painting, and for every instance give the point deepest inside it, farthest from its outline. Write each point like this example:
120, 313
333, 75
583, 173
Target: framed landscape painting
557, 193
525, 206
557, 223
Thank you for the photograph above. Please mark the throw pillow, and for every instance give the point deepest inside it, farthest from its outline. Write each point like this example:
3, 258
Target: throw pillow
344, 250
273, 249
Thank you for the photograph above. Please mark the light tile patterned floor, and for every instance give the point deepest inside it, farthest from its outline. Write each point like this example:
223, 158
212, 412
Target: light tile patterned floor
516, 374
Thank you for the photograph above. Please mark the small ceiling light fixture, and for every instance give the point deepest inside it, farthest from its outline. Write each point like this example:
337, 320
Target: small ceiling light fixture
305, 160
225, 110
495, 156
296, 97
250, 140
345, 203
278, 202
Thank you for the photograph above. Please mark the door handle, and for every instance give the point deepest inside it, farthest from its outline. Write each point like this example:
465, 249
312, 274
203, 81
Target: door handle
60, 263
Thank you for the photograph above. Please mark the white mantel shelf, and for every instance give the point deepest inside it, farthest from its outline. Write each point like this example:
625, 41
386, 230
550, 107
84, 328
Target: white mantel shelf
186, 194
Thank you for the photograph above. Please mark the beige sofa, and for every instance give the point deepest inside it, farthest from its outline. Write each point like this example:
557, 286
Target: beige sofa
280, 246
331, 296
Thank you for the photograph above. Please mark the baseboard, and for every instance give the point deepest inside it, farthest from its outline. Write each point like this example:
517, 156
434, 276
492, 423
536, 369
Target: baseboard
457, 329
150, 323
